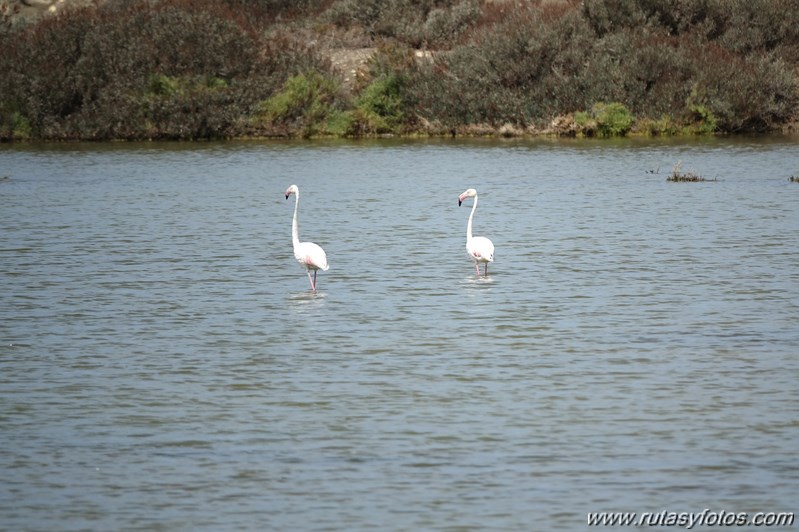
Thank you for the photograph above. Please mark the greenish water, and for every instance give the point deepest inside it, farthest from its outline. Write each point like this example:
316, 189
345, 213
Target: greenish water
164, 366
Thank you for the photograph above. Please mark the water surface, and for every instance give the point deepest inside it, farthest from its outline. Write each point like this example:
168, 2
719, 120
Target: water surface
164, 365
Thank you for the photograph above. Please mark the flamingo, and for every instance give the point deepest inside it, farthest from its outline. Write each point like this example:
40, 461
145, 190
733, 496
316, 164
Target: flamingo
479, 248
309, 255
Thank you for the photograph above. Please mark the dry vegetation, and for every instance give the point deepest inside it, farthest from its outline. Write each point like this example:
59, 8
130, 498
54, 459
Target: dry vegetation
199, 69
677, 175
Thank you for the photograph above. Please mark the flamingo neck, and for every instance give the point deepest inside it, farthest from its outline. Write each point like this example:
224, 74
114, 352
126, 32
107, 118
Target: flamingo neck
469, 224
295, 226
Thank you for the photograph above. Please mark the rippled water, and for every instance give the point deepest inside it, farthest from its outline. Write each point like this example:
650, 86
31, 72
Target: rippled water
164, 365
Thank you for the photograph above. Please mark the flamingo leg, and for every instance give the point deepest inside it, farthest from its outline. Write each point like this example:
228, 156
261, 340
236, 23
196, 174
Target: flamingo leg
314, 278
477, 267
486, 273
313, 285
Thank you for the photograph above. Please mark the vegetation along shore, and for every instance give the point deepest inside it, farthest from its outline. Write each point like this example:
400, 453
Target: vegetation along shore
215, 69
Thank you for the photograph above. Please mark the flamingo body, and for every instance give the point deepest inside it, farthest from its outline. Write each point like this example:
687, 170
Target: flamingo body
479, 248
310, 256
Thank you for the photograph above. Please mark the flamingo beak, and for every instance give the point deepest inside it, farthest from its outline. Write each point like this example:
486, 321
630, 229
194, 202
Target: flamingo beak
287, 196
459, 202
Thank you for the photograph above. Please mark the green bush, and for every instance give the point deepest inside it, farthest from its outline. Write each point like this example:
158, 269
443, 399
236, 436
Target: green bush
612, 119
305, 104
586, 123
341, 123
381, 104
604, 119
384, 103
161, 85
20, 127
700, 118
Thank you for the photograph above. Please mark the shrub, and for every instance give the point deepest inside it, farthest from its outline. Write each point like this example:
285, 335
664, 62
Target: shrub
305, 104
161, 85
20, 127
605, 119
170, 69
609, 16
417, 24
8, 15
521, 69
341, 123
218, 68
664, 125
700, 119
743, 94
381, 104
444, 25
586, 123
741, 26
612, 119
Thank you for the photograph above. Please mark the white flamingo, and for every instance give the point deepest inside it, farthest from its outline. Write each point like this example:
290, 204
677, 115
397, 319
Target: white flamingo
479, 248
309, 255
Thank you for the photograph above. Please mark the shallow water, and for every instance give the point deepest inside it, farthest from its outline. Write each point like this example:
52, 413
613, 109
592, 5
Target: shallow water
164, 365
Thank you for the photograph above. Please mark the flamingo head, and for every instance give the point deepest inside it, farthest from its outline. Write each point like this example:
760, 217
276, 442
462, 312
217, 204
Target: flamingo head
292, 190
469, 193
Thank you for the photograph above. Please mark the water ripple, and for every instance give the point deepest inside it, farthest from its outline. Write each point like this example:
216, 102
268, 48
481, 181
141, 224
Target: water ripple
632, 349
